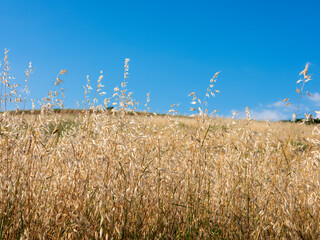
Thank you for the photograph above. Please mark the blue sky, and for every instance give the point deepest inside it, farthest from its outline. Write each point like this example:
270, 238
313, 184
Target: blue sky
174, 47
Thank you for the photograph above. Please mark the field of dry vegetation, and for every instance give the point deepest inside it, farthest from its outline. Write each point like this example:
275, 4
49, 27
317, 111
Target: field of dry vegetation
112, 174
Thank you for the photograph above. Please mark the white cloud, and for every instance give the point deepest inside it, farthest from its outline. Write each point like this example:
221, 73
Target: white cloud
277, 111
269, 114
274, 111
276, 104
262, 114
281, 105
315, 98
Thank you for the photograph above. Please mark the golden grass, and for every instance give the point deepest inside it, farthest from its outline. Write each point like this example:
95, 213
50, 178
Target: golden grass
114, 175
146, 177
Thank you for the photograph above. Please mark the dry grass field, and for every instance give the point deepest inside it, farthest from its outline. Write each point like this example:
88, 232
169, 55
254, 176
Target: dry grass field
121, 176
116, 175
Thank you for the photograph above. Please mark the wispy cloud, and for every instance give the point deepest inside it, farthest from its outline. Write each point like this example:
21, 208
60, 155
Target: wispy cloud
269, 114
281, 105
276, 111
276, 104
265, 113
315, 97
